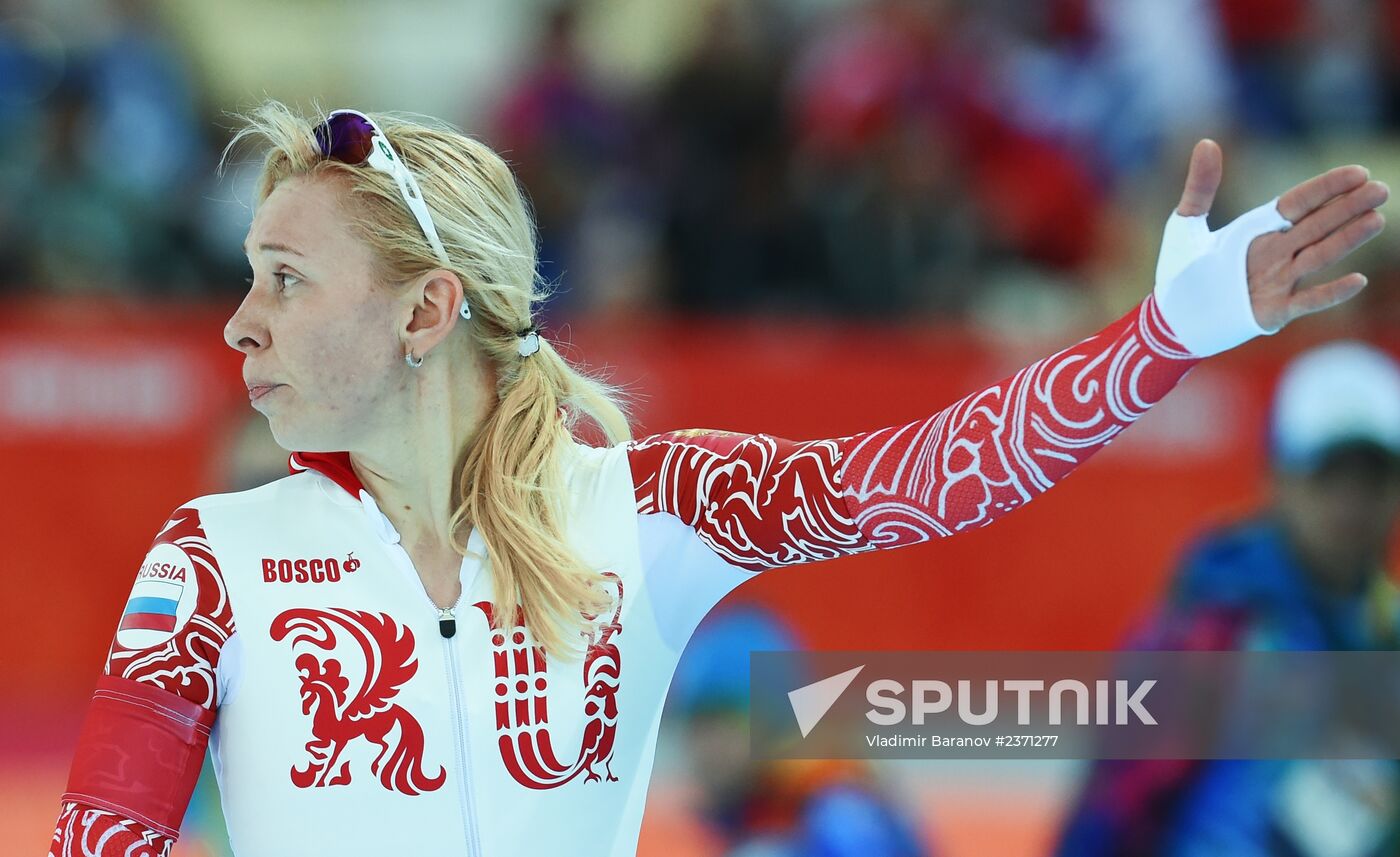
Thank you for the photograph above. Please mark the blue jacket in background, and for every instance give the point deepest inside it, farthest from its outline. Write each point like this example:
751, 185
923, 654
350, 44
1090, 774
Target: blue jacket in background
1239, 588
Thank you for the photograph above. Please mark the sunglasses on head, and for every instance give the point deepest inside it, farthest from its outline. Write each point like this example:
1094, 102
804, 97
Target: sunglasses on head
353, 138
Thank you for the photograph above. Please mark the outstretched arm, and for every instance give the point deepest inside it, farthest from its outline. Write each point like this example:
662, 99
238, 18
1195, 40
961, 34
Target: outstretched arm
143, 741
760, 502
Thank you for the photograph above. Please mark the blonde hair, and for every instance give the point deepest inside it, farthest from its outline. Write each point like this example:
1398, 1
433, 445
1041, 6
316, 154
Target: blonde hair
511, 482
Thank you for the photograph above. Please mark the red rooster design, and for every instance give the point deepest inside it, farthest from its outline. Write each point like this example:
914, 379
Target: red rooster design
339, 717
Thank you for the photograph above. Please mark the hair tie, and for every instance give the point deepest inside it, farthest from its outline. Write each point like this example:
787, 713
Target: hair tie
529, 341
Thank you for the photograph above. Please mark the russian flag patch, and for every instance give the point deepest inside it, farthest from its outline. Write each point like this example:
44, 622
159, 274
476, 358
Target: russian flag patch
162, 599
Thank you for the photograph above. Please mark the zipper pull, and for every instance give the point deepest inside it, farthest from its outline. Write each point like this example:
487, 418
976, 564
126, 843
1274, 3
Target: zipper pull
447, 623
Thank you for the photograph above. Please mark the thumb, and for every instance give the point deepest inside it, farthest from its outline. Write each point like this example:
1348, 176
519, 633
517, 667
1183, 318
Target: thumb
1202, 179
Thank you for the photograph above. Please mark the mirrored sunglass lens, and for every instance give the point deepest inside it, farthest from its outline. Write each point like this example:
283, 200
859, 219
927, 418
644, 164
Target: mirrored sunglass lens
345, 137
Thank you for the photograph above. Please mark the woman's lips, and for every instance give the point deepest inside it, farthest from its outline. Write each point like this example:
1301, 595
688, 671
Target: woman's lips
257, 391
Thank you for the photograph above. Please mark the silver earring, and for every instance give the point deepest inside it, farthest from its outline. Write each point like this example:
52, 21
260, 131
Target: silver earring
412, 361
466, 309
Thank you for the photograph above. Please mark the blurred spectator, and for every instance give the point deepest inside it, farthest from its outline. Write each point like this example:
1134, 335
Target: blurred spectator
1264, 38
761, 808
1157, 73
101, 204
32, 62
567, 139
1340, 84
874, 98
732, 231
75, 230
140, 95
1308, 574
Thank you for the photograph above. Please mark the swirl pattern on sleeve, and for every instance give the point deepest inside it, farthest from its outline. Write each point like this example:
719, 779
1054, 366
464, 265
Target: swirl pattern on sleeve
761, 502
83, 831
757, 501
999, 448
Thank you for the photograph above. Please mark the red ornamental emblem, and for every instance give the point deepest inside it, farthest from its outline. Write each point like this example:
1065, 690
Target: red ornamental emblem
340, 714
522, 722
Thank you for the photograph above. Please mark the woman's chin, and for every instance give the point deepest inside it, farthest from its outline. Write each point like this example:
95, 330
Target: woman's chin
294, 438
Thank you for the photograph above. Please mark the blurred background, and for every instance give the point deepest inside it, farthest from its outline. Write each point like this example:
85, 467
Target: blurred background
802, 217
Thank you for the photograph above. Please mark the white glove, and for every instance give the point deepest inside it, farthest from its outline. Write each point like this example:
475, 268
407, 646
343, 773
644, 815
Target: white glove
1202, 284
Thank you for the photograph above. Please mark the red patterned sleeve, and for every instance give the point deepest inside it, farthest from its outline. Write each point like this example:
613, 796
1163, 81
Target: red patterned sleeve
760, 502
143, 740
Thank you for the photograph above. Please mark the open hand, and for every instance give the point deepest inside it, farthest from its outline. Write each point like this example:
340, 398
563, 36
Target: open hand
1332, 215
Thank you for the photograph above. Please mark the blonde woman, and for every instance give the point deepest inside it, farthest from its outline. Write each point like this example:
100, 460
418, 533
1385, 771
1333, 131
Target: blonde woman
450, 630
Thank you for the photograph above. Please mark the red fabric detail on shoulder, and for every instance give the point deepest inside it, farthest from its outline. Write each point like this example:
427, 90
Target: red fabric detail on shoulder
757, 501
184, 664
335, 466
139, 753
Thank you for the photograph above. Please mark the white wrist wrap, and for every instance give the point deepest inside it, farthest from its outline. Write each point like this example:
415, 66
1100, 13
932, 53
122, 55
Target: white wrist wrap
1202, 283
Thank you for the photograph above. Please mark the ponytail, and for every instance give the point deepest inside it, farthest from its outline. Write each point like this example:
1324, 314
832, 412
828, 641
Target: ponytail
512, 486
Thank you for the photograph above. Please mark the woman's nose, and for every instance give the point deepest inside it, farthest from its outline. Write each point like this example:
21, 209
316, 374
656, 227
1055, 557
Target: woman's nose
245, 331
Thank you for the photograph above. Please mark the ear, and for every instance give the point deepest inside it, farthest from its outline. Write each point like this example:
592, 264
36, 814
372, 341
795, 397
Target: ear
435, 298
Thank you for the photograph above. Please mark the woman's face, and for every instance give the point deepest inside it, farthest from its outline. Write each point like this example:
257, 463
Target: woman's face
323, 360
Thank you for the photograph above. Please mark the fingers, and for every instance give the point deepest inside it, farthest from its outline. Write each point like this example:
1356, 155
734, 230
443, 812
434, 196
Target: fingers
1341, 210
1337, 244
1312, 194
1318, 298
1202, 179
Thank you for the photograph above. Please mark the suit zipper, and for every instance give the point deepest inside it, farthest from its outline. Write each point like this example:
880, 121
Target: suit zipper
447, 627
459, 726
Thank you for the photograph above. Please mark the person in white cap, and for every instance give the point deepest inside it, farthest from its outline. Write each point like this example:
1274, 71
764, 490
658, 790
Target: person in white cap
1308, 573
1336, 441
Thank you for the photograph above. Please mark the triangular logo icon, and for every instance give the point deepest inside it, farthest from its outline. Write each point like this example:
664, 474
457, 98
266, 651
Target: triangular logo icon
810, 703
